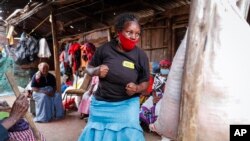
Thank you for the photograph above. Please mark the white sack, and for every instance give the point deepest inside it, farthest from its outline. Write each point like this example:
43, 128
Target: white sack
167, 122
221, 72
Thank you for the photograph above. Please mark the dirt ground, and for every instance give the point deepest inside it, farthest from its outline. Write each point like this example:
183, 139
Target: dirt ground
69, 128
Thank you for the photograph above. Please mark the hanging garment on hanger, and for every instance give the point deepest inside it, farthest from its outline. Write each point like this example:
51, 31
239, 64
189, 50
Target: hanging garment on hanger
44, 51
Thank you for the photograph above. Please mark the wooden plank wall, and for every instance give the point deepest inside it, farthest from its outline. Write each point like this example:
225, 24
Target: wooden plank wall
160, 39
97, 37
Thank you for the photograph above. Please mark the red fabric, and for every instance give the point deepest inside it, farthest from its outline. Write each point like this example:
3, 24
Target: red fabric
69, 104
165, 62
150, 86
69, 83
89, 50
74, 47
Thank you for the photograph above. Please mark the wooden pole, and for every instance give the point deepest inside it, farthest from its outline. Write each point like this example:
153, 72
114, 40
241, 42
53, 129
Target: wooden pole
109, 35
173, 39
28, 117
56, 53
192, 76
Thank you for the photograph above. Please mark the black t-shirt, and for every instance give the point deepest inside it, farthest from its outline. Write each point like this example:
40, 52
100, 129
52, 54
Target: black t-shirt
49, 80
124, 67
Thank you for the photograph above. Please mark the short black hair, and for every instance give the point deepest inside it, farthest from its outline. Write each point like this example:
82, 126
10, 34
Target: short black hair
121, 19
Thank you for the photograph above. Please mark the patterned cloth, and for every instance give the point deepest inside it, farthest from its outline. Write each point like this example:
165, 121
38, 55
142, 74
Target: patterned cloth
25, 135
20, 125
150, 111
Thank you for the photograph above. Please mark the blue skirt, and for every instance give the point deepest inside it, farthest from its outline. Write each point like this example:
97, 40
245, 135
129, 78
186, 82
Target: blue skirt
113, 121
48, 107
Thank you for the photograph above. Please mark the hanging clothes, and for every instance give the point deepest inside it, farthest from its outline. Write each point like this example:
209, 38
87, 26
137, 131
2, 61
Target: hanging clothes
87, 52
26, 50
75, 53
44, 51
66, 55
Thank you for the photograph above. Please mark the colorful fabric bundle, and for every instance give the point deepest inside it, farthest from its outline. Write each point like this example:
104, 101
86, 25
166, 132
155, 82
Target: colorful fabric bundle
69, 104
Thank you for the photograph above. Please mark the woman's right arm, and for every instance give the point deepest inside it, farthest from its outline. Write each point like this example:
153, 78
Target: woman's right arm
18, 110
92, 71
100, 71
35, 80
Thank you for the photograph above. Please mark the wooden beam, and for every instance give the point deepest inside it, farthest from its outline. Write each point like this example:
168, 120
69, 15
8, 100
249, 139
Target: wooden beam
56, 52
168, 33
117, 8
173, 45
22, 17
84, 15
69, 4
177, 11
151, 5
193, 67
75, 8
10, 77
81, 34
91, 16
74, 21
37, 26
47, 23
152, 19
156, 27
151, 49
175, 26
64, 2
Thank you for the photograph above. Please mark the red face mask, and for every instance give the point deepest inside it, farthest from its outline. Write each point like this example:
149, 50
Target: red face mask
126, 43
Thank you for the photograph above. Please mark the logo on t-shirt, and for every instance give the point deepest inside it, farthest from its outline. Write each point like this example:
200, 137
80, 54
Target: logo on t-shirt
128, 64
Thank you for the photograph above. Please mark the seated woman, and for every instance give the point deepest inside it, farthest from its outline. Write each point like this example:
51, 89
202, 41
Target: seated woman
150, 108
12, 125
154, 69
48, 102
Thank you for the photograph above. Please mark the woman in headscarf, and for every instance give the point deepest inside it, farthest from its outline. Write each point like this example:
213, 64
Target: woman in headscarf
151, 107
47, 101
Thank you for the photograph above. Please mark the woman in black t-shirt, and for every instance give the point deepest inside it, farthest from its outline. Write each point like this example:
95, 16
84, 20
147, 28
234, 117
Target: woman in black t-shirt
123, 70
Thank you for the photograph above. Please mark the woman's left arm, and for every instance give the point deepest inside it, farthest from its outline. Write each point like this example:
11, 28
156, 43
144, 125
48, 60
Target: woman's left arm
142, 87
133, 88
